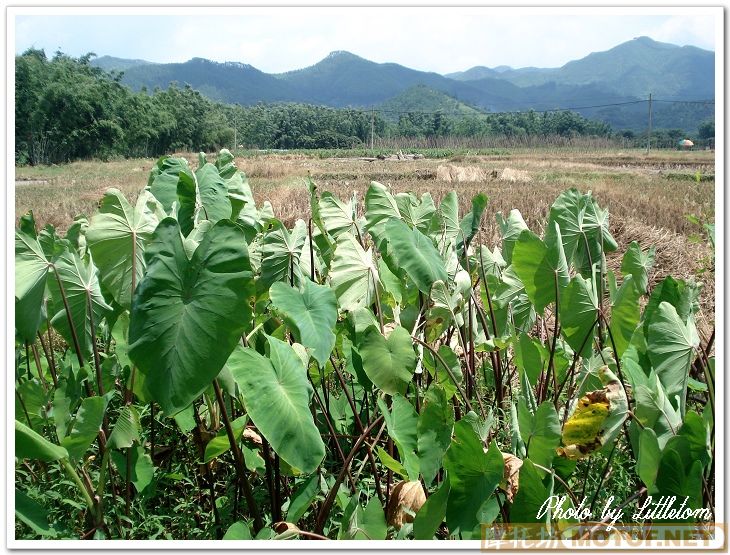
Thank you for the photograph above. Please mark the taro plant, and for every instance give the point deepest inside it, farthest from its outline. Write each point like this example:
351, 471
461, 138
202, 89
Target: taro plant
187, 366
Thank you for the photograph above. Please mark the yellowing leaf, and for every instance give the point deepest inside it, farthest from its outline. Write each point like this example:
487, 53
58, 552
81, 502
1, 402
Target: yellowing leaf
511, 481
596, 419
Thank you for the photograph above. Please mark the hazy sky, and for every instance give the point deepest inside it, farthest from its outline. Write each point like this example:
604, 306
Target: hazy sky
432, 39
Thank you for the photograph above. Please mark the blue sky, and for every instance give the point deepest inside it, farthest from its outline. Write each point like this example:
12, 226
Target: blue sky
431, 39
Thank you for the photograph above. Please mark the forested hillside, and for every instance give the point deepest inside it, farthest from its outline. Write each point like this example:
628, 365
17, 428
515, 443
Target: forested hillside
611, 86
67, 109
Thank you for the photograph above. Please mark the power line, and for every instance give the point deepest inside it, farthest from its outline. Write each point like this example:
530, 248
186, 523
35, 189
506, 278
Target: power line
685, 101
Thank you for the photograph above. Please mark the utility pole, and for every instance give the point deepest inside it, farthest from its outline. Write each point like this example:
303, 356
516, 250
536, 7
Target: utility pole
235, 128
372, 129
648, 138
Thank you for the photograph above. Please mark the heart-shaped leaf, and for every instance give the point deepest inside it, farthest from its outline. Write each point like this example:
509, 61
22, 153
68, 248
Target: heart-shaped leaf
311, 313
276, 394
117, 236
473, 475
188, 315
31, 274
415, 253
671, 349
389, 363
353, 274
281, 253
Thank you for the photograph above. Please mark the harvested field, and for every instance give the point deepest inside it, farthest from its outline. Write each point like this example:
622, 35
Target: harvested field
648, 196
460, 174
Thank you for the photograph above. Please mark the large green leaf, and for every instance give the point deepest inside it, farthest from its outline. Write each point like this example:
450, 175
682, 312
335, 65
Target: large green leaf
85, 427
302, 498
432, 513
469, 225
435, 424
80, 281
679, 479
392, 464
365, 524
530, 357
337, 217
505, 289
164, 177
448, 231
654, 409
671, 349
281, 253
638, 264
510, 229
31, 273
239, 192
76, 234
402, 421
578, 313
491, 262
238, 531
649, 455
311, 313
276, 394
126, 430
249, 216
392, 284
202, 196
188, 315
141, 471
541, 267
380, 208
416, 254
473, 475
117, 236
31, 445
220, 443
389, 363
530, 497
417, 213
353, 274
583, 227
682, 295
698, 437
625, 314
540, 431
32, 514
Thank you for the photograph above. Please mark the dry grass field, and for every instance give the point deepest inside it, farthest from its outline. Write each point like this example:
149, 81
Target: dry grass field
648, 196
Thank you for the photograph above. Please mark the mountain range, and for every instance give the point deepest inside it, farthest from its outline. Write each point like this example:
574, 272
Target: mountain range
624, 74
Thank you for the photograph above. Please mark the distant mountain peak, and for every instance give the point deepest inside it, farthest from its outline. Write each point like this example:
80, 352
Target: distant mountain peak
646, 42
342, 55
238, 65
625, 72
112, 63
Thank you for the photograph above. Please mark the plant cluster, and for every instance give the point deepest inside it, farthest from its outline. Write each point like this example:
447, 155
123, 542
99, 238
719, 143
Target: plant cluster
373, 372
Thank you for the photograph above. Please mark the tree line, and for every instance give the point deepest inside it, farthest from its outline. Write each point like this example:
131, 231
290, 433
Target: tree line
67, 109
